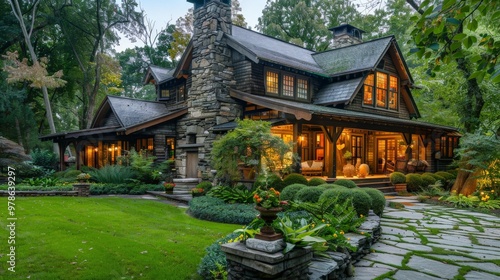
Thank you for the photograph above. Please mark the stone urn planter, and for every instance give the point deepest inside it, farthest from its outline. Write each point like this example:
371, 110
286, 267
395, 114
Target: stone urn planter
364, 170
349, 170
268, 215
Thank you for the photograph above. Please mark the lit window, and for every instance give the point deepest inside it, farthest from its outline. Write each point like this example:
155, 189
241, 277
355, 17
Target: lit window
302, 88
272, 82
288, 85
368, 90
181, 94
165, 93
393, 93
381, 89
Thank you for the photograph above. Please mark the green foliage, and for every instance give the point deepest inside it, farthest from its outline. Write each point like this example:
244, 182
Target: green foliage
332, 186
269, 180
309, 194
251, 144
346, 183
427, 180
112, 174
397, 178
128, 188
300, 233
267, 198
462, 201
414, 182
433, 190
339, 194
44, 158
43, 182
295, 178
237, 194
315, 181
214, 257
361, 201
214, 209
67, 175
205, 185
288, 193
378, 200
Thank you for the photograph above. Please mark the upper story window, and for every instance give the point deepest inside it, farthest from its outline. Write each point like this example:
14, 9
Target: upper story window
287, 85
381, 91
175, 93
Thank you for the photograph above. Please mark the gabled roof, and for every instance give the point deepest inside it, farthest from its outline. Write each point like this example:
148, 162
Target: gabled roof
336, 93
158, 74
355, 58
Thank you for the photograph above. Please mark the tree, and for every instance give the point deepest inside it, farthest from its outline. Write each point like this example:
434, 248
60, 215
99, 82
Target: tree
466, 33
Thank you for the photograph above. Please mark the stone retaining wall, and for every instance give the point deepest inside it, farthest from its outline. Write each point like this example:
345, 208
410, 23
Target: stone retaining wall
41, 193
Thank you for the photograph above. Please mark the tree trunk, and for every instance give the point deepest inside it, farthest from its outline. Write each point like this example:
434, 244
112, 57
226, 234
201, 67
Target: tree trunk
466, 182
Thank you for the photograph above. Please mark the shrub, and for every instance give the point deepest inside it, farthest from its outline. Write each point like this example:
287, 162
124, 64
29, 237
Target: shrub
378, 200
112, 174
346, 183
332, 186
134, 189
414, 182
269, 180
316, 181
361, 201
214, 209
27, 170
205, 185
437, 177
215, 259
142, 164
447, 176
427, 180
309, 194
397, 178
44, 158
237, 194
341, 194
295, 178
289, 191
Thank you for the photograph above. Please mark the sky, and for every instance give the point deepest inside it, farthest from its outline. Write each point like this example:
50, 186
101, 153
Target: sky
162, 11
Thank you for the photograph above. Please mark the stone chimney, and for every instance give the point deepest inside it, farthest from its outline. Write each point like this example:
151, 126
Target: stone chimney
346, 35
208, 99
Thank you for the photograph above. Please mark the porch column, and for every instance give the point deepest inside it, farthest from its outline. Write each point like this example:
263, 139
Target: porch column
407, 137
335, 138
62, 146
297, 132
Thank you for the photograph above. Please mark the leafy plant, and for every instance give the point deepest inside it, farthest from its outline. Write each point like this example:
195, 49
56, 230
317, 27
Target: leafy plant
43, 182
289, 192
267, 198
346, 183
462, 201
300, 233
309, 194
44, 158
295, 178
112, 174
397, 178
269, 180
316, 181
142, 164
435, 189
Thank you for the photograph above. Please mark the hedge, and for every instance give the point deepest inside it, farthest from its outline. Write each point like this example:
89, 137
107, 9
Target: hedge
216, 210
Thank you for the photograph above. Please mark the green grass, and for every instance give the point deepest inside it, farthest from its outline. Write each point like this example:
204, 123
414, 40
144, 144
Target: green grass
105, 238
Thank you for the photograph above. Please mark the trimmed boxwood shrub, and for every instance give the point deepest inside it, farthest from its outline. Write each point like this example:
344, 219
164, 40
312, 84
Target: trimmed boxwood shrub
332, 186
214, 209
295, 178
214, 256
378, 200
414, 182
316, 181
447, 176
437, 177
427, 180
341, 193
270, 181
346, 183
134, 189
397, 178
361, 201
205, 185
289, 192
309, 194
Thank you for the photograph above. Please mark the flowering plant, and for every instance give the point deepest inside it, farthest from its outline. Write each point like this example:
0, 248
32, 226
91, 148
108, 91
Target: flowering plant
169, 185
197, 191
83, 177
268, 198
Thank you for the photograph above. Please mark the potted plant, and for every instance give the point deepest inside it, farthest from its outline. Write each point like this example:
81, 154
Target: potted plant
83, 177
349, 170
398, 179
169, 187
197, 192
268, 203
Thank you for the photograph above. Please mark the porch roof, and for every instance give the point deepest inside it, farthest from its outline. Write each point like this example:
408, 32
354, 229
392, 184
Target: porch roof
341, 117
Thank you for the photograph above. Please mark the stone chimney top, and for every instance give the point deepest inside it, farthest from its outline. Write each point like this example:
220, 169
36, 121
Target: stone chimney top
346, 35
200, 3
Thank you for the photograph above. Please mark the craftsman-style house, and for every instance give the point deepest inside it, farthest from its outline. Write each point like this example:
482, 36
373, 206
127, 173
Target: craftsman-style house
354, 97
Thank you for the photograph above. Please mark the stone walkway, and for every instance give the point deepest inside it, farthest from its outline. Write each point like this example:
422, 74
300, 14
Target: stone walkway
423, 241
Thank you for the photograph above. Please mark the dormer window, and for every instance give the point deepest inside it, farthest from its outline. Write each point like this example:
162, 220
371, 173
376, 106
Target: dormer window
288, 85
381, 91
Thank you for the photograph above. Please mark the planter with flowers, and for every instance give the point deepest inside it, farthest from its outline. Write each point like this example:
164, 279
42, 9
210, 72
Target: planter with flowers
269, 205
169, 187
197, 192
83, 185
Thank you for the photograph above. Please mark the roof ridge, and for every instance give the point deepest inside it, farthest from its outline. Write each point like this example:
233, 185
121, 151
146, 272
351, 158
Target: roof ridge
354, 45
134, 99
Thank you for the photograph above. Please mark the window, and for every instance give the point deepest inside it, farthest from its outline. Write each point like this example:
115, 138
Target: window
384, 87
175, 93
356, 146
286, 85
272, 82
165, 93
447, 145
181, 96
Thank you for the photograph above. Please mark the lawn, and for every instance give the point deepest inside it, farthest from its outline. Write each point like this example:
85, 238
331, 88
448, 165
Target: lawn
104, 238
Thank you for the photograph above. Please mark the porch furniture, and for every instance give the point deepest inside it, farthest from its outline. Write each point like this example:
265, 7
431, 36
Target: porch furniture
401, 165
389, 167
417, 166
312, 167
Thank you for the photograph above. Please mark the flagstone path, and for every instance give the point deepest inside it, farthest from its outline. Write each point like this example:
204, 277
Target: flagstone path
423, 241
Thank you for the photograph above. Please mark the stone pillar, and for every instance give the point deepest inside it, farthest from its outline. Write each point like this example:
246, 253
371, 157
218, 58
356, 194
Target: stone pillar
258, 259
208, 99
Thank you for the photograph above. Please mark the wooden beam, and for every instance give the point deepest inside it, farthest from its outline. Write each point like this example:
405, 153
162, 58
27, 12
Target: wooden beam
325, 131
